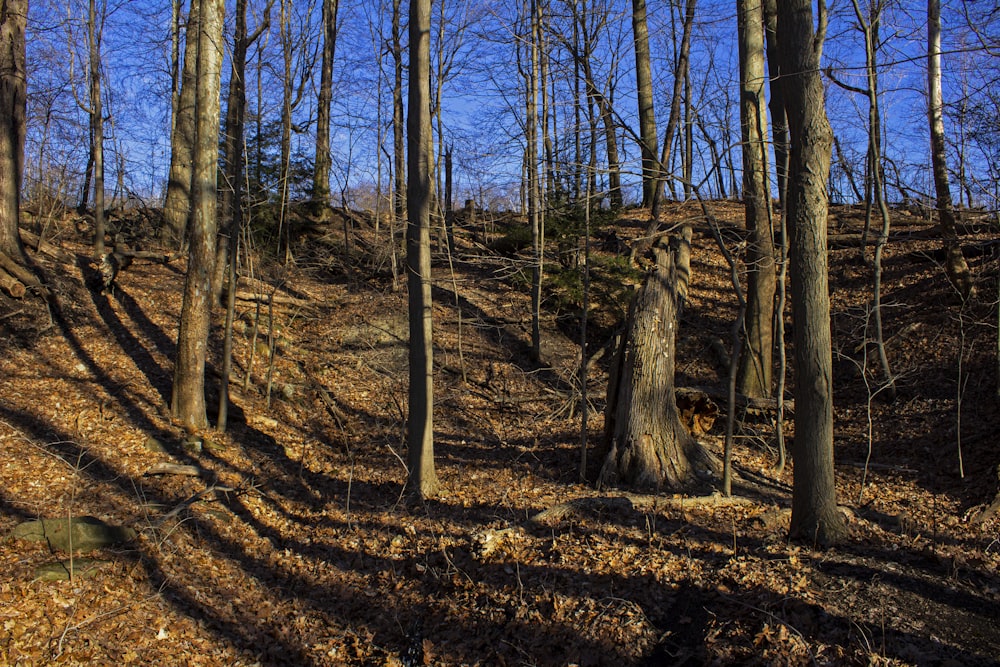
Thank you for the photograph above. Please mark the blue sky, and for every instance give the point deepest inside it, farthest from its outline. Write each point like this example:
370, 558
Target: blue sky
481, 104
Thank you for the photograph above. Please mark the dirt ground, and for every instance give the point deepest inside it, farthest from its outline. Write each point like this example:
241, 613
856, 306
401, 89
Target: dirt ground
293, 545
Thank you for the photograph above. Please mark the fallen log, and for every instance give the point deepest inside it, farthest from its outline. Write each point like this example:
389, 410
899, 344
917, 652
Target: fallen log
276, 299
174, 469
23, 275
11, 285
37, 244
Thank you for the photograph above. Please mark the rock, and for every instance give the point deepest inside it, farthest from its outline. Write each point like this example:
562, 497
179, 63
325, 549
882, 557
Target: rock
85, 533
82, 568
155, 445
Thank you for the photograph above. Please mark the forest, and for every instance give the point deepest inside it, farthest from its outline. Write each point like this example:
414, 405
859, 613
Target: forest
549, 332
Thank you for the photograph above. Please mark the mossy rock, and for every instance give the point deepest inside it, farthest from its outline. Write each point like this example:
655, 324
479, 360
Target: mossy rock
81, 568
84, 533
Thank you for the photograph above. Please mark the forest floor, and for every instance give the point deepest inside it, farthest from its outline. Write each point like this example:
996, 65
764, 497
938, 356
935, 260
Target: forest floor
294, 545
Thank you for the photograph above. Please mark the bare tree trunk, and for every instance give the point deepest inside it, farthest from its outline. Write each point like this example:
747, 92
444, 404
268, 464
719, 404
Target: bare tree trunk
398, 118
232, 150
423, 480
776, 104
178, 199
94, 32
13, 92
755, 369
321, 166
188, 402
955, 264
232, 196
673, 120
869, 28
647, 445
815, 516
531, 165
644, 93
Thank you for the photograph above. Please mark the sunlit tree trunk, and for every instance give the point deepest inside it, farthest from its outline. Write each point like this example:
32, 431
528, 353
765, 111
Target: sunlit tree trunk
94, 32
423, 481
321, 166
13, 99
955, 264
815, 517
644, 93
755, 369
646, 443
178, 199
674, 119
776, 103
188, 401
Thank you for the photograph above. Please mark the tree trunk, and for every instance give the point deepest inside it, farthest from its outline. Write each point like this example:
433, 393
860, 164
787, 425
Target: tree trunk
94, 31
755, 370
188, 402
776, 104
955, 264
178, 200
13, 94
398, 115
534, 192
422, 481
644, 93
815, 516
673, 120
321, 170
647, 445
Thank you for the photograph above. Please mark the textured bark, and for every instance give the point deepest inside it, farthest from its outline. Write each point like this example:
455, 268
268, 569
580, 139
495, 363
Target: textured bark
188, 401
644, 94
776, 103
398, 119
178, 200
755, 370
955, 265
674, 119
815, 516
13, 90
647, 445
423, 481
534, 191
321, 167
94, 31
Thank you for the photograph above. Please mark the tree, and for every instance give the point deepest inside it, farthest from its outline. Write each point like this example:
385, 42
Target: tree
815, 516
178, 199
955, 264
680, 70
232, 193
646, 443
776, 103
13, 97
423, 481
188, 400
321, 168
644, 93
95, 30
755, 370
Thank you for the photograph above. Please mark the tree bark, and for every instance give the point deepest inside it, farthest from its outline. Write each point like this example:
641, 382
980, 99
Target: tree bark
321, 167
673, 120
644, 93
13, 97
955, 264
188, 400
94, 32
776, 103
815, 516
755, 369
647, 445
178, 200
422, 481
